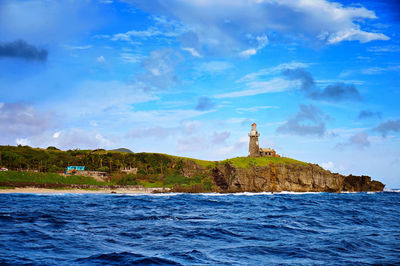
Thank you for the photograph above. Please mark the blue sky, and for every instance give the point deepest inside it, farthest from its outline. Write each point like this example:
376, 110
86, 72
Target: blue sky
320, 78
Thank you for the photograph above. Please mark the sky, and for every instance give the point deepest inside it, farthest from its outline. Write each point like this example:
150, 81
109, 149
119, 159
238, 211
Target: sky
320, 78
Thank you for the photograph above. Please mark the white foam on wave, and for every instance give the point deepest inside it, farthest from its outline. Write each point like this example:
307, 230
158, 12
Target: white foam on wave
258, 193
145, 194
296, 193
214, 194
391, 190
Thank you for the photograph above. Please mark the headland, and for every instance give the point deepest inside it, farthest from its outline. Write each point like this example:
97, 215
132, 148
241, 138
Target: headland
136, 172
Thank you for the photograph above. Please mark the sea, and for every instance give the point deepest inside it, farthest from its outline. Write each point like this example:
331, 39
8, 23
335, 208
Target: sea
200, 229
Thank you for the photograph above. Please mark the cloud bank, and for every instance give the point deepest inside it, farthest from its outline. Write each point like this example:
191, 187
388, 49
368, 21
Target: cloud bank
241, 27
308, 121
21, 49
389, 126
20, 120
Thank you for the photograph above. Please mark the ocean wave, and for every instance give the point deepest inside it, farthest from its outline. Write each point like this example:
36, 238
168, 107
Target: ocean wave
391, 190
208, 228
125, 258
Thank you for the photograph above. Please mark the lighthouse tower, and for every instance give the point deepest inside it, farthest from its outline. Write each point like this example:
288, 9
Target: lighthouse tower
254, 148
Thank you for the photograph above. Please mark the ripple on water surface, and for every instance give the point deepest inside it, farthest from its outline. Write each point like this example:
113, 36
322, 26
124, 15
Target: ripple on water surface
174, 229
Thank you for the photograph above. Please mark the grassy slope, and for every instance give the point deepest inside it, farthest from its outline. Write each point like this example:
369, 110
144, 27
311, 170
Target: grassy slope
245, 162
46, 178
203, 163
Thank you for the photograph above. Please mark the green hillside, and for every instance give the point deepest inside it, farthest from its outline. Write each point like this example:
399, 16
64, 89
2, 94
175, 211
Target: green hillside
153, 169
246, 162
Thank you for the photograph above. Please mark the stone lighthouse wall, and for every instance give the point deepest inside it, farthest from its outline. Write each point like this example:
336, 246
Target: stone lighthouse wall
254, 148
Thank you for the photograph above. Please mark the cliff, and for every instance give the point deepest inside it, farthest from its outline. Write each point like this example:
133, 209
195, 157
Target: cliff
288, 177
278, 174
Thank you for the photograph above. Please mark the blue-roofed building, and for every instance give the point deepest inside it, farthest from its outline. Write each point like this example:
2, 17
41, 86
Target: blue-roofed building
74, 169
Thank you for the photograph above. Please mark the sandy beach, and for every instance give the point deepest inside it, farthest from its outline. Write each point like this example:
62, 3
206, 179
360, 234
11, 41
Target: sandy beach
34, 190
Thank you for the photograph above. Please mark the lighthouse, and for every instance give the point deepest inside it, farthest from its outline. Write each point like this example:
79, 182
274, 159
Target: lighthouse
254, 148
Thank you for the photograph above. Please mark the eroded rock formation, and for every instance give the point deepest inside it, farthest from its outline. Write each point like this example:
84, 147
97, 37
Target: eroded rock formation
284, 177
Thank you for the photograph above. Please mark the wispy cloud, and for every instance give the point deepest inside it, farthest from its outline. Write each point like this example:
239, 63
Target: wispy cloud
266, 72
385, 49
131, 58
260, 87
192, 51
162, 27
78, 47
159, 69
378, 70
254, 109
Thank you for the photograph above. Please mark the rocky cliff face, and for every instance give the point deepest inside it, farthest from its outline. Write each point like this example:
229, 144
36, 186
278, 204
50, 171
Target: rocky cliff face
283, 177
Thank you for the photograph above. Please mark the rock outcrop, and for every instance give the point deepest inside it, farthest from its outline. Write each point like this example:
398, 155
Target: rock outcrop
287, 177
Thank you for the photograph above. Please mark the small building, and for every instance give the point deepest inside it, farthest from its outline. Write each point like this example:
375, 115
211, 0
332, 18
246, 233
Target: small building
268, 152
74, 169
129, 170
3, 169
99, 176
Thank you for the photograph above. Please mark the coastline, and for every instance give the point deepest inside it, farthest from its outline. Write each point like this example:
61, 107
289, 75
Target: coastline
35, 190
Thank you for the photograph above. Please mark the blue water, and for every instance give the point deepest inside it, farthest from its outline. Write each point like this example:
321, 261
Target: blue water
253, 229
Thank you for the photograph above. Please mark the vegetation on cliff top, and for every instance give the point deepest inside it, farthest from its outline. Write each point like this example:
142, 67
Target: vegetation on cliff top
246, 162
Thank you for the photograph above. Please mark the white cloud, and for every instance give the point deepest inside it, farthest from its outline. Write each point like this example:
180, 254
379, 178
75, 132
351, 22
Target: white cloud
163, 28
192, 51
248, 52
261, 42
82, 47
254, 109
356, 35
261, 87
22, 141
328, 165
100, 59
57, 134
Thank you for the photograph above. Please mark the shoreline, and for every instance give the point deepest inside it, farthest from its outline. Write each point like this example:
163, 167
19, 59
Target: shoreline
142, 190
35, 190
